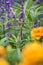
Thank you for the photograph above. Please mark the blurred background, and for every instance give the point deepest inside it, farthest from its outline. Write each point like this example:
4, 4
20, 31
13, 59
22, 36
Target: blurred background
25, 0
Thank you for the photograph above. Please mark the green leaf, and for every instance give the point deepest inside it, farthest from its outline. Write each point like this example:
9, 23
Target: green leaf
4, 41
13, 55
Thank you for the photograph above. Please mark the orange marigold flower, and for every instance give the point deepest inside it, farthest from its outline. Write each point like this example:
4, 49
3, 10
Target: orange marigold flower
2, 51
41, 30
3, 62
22, 63
37, 33
32, 53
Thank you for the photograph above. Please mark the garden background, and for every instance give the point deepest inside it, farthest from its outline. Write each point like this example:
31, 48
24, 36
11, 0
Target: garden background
17, 18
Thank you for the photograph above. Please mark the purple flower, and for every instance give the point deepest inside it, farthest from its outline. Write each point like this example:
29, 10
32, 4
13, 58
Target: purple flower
42, 20
2, 17
8, 34
2, 6
22, 6
22, 12
36, 24
13, 15
2, 1
42, 11
14, 3
38, 2
9, 25
21, 1
8, 1
0, 10
8, 4
22, 15
8, 16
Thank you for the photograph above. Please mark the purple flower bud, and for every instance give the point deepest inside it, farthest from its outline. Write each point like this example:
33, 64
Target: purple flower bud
8, 34
42, 11
38, 2
13, 15
14, 3
21, 1
21, 15
8, 1
42, 20
2, 1
22, 7
8, 16
8, 4
36, 24
9, 25
2, 7
0, 10
22, 12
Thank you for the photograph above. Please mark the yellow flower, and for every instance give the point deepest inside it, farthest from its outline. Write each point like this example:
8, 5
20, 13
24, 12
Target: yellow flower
22, 63
2, 51
3, 62
37, 33
31, 54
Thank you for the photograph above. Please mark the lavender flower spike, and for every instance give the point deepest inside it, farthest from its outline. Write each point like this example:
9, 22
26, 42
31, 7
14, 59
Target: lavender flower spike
8, 34
8, 4
9, 25
22, 12
13, 15
21, 15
